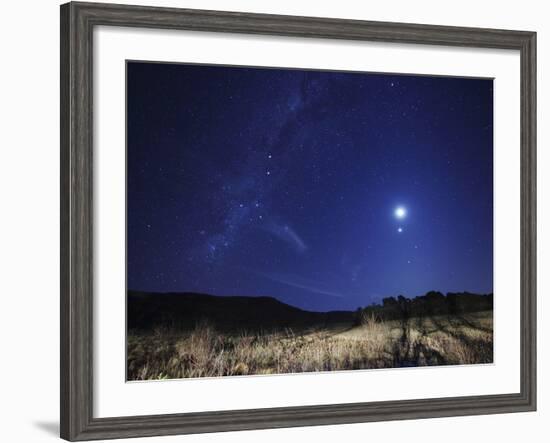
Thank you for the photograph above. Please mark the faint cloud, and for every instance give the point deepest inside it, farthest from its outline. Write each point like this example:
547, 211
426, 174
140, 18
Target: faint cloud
300, 283
285, 233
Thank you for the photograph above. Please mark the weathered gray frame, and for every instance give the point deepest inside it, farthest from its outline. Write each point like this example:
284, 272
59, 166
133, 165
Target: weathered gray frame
77, 23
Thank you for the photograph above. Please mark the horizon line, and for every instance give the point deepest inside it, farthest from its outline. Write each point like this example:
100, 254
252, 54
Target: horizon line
445, 294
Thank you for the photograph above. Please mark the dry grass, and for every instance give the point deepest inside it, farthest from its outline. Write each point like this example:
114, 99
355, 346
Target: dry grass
204, 352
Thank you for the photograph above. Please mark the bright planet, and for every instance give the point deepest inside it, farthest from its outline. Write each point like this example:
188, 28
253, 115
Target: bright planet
400, 212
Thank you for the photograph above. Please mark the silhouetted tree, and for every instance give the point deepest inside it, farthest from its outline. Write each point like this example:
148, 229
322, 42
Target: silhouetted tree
432, 303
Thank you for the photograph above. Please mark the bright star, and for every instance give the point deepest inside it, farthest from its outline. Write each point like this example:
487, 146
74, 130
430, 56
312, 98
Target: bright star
399, 229
400, 212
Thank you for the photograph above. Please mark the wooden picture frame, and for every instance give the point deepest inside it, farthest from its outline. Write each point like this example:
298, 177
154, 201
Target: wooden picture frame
77, 22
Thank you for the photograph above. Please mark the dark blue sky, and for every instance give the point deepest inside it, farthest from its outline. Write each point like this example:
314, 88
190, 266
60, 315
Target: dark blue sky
246, 181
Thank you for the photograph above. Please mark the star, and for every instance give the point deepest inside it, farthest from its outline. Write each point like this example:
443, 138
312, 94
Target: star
400, 229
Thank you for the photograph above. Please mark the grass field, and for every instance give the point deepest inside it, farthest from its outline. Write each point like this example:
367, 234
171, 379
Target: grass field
205, 352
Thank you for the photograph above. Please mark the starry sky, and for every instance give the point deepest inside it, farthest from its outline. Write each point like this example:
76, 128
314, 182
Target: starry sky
326, 190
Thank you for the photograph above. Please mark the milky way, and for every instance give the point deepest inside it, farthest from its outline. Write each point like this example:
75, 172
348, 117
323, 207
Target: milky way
285, 183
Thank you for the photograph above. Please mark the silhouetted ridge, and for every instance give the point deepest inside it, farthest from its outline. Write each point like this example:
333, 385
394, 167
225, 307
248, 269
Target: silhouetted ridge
185, 310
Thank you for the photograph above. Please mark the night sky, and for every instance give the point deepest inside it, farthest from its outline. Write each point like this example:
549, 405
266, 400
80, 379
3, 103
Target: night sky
326, 190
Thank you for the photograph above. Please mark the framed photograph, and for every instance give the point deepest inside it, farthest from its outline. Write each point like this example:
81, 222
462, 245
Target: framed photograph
273, 221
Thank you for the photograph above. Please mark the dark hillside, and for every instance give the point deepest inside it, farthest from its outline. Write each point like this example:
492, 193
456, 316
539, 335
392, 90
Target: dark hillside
185, 310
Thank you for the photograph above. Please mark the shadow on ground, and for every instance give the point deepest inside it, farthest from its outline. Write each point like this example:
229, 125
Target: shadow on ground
408, 352
48, 427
